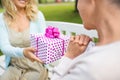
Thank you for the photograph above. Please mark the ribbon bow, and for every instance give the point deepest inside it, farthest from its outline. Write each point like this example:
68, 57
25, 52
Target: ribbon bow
52, 32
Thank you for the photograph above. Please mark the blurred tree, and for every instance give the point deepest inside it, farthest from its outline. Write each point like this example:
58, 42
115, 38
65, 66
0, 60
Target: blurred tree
46, 1
0, 3
76, 1
42, 1
39, 1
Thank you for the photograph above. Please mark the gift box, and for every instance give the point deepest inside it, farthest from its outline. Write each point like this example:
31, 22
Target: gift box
50, 46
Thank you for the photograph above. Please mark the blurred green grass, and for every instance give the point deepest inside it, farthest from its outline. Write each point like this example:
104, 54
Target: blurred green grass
47, 1
0, 53
60, 12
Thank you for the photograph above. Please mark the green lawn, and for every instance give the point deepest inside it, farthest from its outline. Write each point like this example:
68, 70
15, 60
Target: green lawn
0, 53
60, 12
47, 1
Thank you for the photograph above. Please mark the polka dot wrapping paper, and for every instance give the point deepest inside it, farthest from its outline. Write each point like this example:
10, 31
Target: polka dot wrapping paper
49, 49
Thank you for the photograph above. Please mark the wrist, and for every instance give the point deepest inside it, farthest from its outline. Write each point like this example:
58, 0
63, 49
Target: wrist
69, 56
24, 52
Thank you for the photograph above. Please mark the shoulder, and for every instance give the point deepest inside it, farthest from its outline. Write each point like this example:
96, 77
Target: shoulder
40, 17
40, 14
2, 24
1, 17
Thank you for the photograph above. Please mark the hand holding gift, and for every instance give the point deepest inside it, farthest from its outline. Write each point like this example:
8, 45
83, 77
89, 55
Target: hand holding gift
50, 46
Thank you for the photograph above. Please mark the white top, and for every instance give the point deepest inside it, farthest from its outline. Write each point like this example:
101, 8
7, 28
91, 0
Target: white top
100, 63
37, 26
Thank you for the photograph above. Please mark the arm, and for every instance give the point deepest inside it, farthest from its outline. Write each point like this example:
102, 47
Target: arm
41, 22
69, 68
5, 45
11, 51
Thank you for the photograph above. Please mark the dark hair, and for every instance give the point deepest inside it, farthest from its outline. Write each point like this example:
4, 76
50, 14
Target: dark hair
117, 2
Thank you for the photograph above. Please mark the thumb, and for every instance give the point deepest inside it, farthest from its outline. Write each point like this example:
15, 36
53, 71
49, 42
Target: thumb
37, 59
32, 49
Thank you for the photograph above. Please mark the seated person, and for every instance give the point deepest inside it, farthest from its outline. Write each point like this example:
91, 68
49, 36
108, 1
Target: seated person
101, 62
17, 22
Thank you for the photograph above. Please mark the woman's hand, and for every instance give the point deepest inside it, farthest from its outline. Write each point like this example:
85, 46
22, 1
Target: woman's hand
29, 53
77, 45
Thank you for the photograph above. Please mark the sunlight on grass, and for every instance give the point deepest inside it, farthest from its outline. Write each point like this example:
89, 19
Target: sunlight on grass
1, 10
0, 53
60, 12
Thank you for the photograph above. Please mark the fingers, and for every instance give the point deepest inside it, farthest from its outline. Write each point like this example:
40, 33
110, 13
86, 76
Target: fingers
32, 49
77, 45
29, 53
84, 40
34, 58
72, 38
81, 39
77, 39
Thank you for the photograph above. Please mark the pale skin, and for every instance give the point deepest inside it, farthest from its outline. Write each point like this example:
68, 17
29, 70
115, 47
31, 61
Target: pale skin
101, 15
77, 44
25, 22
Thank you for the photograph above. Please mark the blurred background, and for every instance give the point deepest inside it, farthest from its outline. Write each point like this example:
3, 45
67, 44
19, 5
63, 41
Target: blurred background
58, 10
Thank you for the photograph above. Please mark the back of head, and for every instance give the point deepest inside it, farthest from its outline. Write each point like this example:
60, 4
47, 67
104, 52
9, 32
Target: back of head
117, 2
114, 3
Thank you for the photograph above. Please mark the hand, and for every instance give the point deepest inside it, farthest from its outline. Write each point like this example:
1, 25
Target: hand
29, 53
77, 45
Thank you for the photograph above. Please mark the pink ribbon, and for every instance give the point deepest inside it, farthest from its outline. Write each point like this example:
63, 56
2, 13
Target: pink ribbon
52, 32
